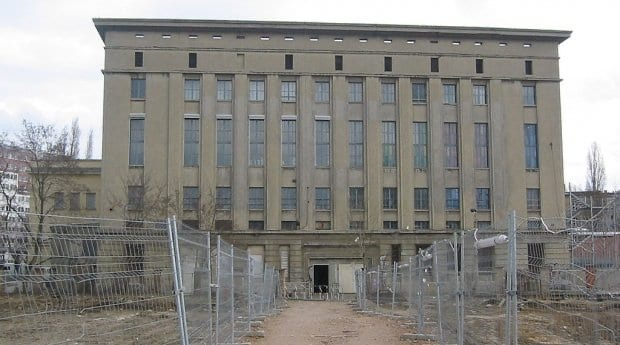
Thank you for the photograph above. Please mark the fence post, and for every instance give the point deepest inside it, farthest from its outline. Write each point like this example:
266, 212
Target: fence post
232, 290
250, 293
209, 285
394, 276
178, 287
420, 293
511, 336
460, 283
438, 289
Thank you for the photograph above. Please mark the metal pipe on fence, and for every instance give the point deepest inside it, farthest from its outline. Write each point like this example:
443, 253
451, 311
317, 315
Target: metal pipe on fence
420, 293
174, 255
511, 328
394, 274
232, 291
438, 289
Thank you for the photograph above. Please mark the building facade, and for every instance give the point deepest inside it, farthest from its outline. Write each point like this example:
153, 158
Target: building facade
318, 146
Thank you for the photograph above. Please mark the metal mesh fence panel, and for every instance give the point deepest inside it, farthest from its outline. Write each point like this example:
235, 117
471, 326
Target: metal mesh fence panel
92, 280
225, 312
445, 264
242, 281
195, 263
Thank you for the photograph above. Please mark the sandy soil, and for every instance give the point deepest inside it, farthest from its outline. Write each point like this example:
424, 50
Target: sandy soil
329, 323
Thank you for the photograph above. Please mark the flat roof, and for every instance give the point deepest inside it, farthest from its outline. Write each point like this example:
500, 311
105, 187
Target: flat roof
198, 25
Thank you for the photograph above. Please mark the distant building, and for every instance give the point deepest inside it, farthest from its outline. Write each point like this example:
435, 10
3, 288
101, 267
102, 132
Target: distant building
316, 146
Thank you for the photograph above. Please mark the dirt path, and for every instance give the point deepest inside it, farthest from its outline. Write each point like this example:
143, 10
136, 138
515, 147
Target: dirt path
328, 323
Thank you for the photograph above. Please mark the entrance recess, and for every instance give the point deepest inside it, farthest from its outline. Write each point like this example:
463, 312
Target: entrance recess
321, 278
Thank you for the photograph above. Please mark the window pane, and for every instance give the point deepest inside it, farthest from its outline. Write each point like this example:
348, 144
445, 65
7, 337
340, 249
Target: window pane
257, 142
388, 92
138, 88
452, 199
390, 199
420, 139
529, 95
191, 143
289, 198
531, 146
322, 198
356, 198
289, 143
482, 145
222, 198
451, 157
135, 197
355, 92
449, 93
289, 91
420, 198
483, 201
389, 144
480, 94
533, 199
224, 90
321, 94
256, 198
191, 198
322, 143
192, 89
356, 144
91, 201
257, 90
419, 92
136, 142
224, 142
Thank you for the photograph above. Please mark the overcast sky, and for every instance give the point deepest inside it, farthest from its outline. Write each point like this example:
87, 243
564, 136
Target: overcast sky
51, 55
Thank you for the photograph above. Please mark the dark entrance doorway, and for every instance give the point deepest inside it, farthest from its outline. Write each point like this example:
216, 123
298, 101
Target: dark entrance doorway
321, 278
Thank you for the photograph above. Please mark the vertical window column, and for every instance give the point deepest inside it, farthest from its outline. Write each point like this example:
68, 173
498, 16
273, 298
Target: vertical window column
322, 143
136, 142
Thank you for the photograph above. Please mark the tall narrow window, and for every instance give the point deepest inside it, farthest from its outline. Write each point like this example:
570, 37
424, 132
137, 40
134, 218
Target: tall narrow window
434, 64
420, 198
450, 140
322, 143
191, 198
192, 60
257, 90
91, 201
529, 95
533, 199
531, 146
191, 143
138, 59
479, 66
59, 201
322, 198
483, 199
355, 92
257, 142
136, 142
321, 92
289, 198
192, 89
389, 144
482, 145
388, 92
420, 140
338, 62
288, 61
356, 198
418, 92
356, 144
223, 198
289, 143
135, 197
224, 90
138, 88
224, 142
387, 64
390, 198
528, 67
288, 91
452, 199
256, 198
74, 202
449, 94
480, 94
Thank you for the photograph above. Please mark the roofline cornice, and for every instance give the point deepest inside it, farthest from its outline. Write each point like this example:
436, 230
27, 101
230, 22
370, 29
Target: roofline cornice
174, 25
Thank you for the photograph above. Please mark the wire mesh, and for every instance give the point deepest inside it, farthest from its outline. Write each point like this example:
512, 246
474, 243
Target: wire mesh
225, 302
95, 280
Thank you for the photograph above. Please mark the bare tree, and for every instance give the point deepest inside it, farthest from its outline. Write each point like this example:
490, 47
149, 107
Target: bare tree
74, 139
89, 145
596, 176
144, 199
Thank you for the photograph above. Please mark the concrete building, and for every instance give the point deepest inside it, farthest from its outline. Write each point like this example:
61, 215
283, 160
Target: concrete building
318, 146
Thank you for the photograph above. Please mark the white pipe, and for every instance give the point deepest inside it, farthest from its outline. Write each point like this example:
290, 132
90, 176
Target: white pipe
491, 241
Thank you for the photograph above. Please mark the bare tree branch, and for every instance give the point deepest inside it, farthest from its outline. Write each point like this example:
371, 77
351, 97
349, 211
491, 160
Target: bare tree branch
596, 177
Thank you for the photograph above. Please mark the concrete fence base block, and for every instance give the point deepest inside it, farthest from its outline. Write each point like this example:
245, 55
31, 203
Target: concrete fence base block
417, 336
256, 334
